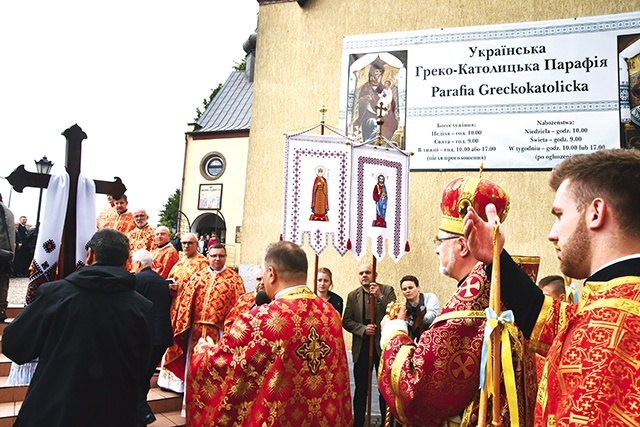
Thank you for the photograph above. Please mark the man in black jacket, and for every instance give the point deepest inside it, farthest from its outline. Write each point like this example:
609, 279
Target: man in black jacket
155, 288
92, 334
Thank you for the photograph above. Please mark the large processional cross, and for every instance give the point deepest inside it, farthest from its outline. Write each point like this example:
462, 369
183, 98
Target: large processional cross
21, 178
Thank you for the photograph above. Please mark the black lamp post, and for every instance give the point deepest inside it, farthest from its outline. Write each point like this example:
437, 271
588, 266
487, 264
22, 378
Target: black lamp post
44, 166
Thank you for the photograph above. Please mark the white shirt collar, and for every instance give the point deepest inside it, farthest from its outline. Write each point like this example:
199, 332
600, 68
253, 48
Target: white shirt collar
624, 258
218, 271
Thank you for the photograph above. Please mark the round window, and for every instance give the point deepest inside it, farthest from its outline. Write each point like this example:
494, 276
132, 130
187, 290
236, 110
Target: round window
212, 166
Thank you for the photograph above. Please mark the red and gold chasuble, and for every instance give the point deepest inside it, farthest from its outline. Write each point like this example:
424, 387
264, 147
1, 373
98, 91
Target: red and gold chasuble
164, 259
244, 304
142, 238
592, 374
281, 364
124, 223
214, 297
185, 272
438, 379
106, 218
182, 271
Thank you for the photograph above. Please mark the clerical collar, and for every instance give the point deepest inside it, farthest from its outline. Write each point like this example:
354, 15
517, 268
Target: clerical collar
218, 271
601, 275
163, 245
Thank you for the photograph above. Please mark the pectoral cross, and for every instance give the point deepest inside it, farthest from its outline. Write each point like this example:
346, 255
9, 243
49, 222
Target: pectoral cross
21, 178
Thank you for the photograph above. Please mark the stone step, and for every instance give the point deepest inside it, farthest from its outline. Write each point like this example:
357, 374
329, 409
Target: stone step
12, 312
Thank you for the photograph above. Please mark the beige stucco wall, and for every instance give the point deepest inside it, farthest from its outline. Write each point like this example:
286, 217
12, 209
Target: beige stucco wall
235, 152
298, 63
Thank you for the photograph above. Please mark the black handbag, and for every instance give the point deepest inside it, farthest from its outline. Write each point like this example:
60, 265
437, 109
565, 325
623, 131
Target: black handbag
6, 256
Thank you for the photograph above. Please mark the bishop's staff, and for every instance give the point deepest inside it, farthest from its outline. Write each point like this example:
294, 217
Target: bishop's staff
493, 342
372, 316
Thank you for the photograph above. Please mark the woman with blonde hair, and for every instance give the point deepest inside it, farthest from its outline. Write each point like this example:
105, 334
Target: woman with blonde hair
325, 283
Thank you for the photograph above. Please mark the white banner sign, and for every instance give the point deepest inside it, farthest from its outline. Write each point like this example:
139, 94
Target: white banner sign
316, 191
518, 96
379, 202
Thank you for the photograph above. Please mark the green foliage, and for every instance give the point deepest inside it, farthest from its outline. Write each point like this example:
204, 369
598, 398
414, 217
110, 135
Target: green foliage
240, 66
169, 214
237, 66
206, 102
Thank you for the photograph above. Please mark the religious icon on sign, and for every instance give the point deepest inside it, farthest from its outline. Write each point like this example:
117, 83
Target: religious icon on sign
319, 197
380, 197
376, 87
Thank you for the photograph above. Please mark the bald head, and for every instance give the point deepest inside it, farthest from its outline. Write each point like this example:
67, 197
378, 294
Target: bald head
163, 235
189, 243
366, 275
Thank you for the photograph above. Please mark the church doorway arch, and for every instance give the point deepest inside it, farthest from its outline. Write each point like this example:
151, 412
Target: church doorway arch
209, 223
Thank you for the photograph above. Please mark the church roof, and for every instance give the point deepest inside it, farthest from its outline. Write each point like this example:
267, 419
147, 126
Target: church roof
230, 109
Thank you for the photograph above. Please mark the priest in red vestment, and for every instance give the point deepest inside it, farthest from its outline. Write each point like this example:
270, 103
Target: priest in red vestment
165, 255
123, 220
281, 364
141, 237
592, 371
245, 302
173, 371
436, 381
107, 215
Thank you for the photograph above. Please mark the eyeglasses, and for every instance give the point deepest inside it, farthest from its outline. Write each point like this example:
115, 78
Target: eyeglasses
188, 243
438, 240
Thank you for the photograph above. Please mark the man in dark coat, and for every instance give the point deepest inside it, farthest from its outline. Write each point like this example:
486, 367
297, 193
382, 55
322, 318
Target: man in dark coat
92, 334
155, 288
357, 320
21, 262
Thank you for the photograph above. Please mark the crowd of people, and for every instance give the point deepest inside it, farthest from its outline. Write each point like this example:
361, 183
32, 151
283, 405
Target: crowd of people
276, 356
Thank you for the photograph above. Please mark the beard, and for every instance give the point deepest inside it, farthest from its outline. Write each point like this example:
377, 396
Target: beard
576, 252
444, 270
447, 270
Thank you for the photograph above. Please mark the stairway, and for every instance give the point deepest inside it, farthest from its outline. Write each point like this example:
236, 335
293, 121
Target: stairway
166, 405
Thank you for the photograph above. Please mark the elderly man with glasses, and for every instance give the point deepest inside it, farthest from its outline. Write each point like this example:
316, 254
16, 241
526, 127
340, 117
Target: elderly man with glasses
441, 371
174, 363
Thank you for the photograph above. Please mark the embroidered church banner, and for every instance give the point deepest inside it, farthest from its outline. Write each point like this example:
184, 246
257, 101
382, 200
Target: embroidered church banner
316, 199
379, 202
512, 96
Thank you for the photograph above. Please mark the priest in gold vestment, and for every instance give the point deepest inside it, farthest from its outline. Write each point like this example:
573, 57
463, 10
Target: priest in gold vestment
592, 372
281, 364
436, 381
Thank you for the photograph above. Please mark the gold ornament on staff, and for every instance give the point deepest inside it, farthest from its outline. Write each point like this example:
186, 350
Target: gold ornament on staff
393, 308
494, 304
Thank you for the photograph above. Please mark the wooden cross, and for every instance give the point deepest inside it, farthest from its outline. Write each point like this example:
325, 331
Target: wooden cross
20, 178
